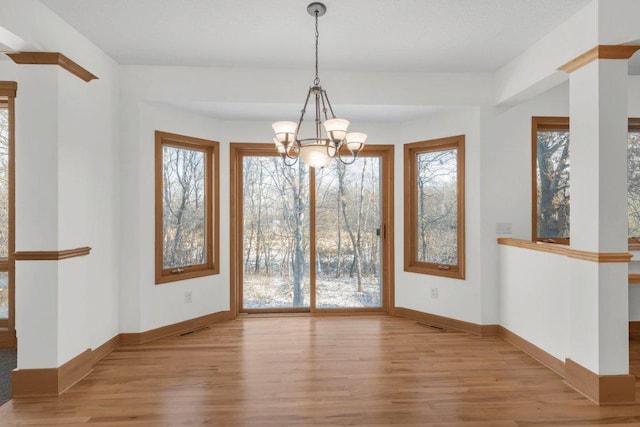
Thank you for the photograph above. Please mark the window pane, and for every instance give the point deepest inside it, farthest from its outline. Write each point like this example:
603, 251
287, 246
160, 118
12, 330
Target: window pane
348, 200
437, 216
184, 210
633, 183
275, 234
552, 174
4, 183
4, 295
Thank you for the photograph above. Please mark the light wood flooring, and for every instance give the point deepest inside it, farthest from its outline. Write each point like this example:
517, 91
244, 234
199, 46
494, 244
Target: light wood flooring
297, 371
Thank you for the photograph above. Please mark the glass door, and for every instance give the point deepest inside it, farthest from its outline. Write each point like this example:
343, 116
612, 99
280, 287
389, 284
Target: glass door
275, 228
309, 240
348, 228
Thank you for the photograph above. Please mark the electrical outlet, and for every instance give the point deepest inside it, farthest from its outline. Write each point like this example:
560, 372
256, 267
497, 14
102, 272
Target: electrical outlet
434, 292
187, 297
503, 228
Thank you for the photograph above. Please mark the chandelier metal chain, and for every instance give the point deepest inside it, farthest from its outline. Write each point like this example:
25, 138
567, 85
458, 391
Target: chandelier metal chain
316, 81
317, 151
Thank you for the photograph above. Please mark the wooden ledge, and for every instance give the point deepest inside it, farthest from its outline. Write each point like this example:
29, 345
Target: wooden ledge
599, 257
52, 58
600, 52
51, 255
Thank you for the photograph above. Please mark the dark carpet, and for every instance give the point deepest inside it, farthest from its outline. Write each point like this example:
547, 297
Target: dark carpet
7, 364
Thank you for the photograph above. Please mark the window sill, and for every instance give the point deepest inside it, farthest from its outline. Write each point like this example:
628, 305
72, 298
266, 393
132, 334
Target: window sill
452, 272
185, 275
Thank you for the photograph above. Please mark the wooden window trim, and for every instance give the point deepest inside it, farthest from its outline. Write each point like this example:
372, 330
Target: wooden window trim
558, 123
212, 200
411, 150
8, 93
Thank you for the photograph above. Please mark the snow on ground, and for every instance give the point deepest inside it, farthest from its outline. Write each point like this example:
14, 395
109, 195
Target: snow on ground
270, 292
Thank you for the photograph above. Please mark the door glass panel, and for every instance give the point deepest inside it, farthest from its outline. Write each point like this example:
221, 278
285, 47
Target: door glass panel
348, 240
4, 211
275, 234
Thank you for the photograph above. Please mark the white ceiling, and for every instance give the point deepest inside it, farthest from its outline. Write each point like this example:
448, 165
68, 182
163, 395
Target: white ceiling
389, 35
357, 35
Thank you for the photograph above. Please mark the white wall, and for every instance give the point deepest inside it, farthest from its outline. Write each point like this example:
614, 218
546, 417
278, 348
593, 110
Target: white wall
145, 305
535, 297
459, 299
66, 191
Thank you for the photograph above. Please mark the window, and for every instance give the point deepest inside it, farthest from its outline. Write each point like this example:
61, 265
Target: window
633, 183
187, 206
551, 179
550, 147
434, 207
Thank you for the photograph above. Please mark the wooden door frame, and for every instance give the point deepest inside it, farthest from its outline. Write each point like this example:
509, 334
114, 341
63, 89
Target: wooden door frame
386, 153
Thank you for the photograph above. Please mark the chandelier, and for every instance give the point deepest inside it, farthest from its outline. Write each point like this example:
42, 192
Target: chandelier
318, 151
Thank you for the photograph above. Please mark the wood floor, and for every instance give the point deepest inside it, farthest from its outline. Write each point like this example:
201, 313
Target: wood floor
297, 371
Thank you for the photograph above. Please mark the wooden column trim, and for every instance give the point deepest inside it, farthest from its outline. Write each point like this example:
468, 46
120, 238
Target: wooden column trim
601, 389
51, 255
51, 381
52, 58
600, 257
600, 52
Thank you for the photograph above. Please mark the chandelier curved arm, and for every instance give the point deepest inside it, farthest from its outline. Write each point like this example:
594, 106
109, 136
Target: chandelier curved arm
288, 160
353, 158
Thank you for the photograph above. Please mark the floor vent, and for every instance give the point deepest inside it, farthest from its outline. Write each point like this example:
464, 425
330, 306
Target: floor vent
184, 334
436, 327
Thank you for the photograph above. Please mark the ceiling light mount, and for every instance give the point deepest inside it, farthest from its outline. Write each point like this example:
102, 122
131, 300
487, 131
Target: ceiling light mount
317, 151
316, 7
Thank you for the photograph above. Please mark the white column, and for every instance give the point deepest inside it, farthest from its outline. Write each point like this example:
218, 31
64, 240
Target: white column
598, 149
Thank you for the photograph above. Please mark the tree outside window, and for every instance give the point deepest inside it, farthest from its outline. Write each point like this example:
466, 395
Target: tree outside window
186, 206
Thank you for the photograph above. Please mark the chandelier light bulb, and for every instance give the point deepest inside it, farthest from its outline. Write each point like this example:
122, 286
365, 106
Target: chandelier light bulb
336, 128
315, 155
355, 141
285, 131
